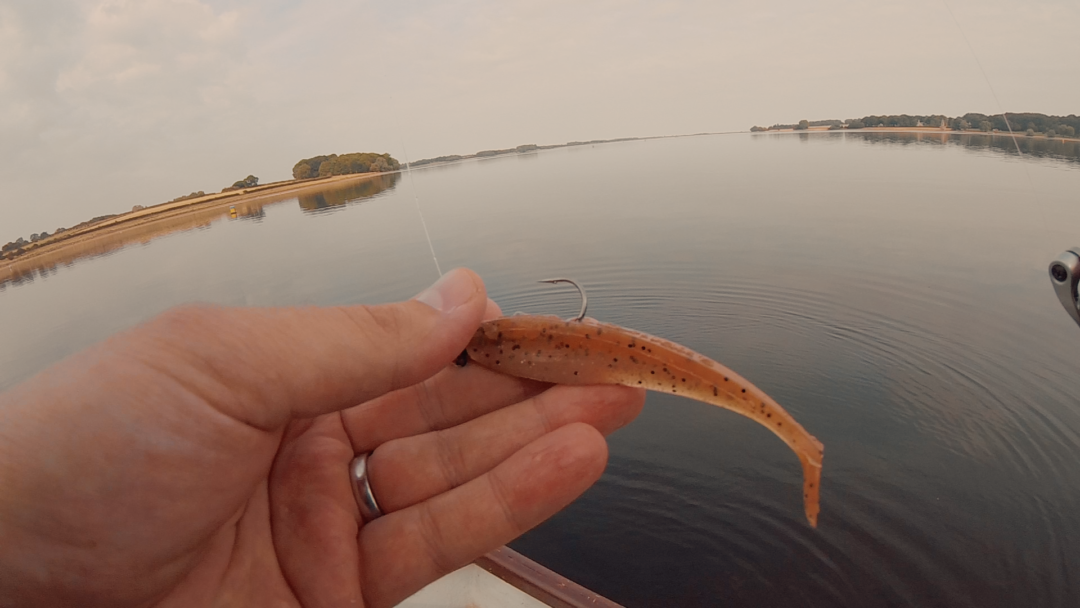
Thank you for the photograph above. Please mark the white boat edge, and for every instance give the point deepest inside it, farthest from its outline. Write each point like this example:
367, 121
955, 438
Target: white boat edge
505, 578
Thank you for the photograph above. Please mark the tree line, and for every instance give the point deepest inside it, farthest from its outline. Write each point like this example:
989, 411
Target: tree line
802, 125
522, 149
344, 164
1029, 123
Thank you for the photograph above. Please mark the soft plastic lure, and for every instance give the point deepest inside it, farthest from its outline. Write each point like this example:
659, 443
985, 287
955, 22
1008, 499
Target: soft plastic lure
586, 351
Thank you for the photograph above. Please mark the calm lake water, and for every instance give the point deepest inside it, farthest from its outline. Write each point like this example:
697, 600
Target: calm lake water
890, 291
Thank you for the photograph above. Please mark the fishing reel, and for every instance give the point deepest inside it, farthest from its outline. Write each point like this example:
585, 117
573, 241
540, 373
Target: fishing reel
1064, 275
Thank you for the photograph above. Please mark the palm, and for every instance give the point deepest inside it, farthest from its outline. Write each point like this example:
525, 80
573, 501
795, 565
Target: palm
285, 547
300, 541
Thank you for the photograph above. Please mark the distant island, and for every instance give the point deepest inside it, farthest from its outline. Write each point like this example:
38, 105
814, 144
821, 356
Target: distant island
345, 164
307, 172
1029, 124
306, 169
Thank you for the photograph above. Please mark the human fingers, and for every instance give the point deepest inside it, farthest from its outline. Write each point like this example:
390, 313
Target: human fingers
403, 551
450, 397
408, 471
267, 366
170, 427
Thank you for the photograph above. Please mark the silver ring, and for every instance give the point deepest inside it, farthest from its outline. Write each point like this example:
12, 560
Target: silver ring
365, 499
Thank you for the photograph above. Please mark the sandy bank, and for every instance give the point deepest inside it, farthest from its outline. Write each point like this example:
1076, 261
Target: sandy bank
102, 237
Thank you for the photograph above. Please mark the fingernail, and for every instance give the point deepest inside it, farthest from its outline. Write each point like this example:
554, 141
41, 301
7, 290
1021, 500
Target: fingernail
452, 290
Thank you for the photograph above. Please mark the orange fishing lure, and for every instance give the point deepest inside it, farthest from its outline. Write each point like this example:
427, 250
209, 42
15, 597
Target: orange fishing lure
586, 351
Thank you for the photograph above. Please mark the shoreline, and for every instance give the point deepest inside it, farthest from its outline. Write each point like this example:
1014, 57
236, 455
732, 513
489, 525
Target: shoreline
187, 211
50, 251
922, 130
296, 185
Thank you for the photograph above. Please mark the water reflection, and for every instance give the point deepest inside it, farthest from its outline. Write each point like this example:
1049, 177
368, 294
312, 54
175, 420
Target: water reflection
1039, 147
253, 213
321, 201
47, 260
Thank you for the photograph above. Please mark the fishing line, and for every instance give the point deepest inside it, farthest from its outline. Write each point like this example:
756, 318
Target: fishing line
993, 93
416, 195
416, 199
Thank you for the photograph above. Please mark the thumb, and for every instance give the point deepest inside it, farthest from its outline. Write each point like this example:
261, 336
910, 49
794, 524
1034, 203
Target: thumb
267, 366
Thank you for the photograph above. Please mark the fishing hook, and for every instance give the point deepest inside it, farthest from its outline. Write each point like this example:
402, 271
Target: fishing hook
584, 299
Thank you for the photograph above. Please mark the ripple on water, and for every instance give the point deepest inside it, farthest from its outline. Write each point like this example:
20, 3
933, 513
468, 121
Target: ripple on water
942, 384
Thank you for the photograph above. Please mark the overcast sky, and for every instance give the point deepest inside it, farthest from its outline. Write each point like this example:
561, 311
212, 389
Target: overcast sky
105, 104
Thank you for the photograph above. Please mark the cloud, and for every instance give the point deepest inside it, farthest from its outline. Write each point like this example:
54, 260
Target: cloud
178, 44
95, 98
105, 104
109, 56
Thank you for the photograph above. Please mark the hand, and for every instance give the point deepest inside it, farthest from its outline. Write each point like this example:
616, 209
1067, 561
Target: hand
202, 458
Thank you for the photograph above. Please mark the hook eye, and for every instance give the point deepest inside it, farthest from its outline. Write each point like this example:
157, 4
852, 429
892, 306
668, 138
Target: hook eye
1064, 276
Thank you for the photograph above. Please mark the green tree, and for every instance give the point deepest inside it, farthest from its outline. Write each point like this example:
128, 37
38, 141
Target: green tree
302, 170
803, 125
313, 165
1051, 133
248, 182
1030, 132
985, 126
345, 164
